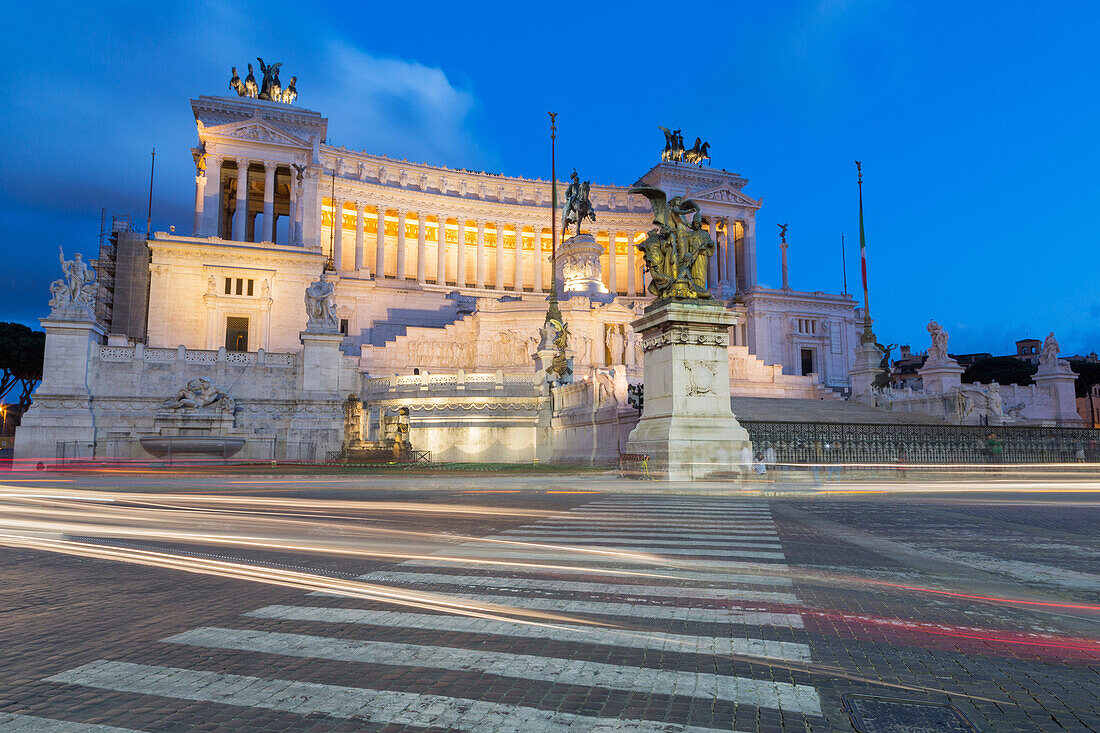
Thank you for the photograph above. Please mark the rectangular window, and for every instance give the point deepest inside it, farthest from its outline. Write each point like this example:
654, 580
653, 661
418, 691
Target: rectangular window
344, 326
250, 287
236, 333
229, 286
240, 286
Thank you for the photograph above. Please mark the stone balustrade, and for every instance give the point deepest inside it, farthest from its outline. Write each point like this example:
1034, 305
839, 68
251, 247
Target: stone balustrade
454, 382
139, 353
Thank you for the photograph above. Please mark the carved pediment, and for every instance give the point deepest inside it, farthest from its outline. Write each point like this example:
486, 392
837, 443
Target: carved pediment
257, 130
726, 195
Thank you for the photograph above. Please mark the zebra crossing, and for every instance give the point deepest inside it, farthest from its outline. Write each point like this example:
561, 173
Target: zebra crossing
672, 603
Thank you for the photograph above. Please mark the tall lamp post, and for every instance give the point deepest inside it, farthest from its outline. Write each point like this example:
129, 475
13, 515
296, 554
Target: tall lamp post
553, 312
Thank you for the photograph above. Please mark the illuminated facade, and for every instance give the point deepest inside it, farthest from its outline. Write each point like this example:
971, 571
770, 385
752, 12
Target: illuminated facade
451, 242
441, 281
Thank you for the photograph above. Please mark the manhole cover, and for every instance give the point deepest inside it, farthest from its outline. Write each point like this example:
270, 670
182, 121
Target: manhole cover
871, 714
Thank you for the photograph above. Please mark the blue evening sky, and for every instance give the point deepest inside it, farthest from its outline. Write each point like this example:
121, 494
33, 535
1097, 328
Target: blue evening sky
976, 123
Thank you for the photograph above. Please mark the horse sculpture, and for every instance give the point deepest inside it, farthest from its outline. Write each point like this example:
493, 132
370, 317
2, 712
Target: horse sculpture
578, 207
251, 88
236, 84
698, 153
290, 93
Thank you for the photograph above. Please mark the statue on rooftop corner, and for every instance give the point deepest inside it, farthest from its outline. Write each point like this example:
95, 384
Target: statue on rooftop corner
578, 207
674, 145
320, 308
678, 250
938, 350
79, 286
1048, 356
270, 82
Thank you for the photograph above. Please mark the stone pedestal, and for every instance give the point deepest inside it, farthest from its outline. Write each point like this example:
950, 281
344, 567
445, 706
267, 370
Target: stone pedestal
579, 268
941, 376
687, 427
318, 418
1059, 380
62, 407
863, 372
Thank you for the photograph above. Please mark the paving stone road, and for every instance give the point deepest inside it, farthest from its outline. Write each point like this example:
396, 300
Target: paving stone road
761, 615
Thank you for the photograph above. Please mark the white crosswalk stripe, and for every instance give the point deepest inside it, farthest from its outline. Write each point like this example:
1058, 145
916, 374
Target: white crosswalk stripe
12, 723
656, 574
768, 535
641, 523
592, 559
481, 549
572, 586
653, 640
765, 693
710, 549
559, 538
306, 698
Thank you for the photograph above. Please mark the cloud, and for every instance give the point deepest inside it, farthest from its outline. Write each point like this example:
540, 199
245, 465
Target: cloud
398, 108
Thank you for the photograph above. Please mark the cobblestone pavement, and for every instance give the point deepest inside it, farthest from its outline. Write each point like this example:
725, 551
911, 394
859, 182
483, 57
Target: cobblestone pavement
761, 614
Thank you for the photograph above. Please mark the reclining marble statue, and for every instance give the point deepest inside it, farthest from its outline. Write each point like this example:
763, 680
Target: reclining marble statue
198, 393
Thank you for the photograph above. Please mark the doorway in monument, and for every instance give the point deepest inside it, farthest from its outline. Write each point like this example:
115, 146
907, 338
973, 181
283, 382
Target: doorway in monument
236, 333
807, 361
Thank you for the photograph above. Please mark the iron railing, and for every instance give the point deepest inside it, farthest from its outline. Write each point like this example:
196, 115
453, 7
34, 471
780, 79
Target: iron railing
798, 442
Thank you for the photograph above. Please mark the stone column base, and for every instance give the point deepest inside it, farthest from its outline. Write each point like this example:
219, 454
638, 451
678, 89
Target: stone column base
687, 427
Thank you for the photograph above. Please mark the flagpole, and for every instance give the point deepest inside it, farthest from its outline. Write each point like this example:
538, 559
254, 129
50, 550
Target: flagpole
868, 335
843, 264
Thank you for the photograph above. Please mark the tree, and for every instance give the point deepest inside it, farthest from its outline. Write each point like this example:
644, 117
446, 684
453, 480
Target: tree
1000, 369
21, 354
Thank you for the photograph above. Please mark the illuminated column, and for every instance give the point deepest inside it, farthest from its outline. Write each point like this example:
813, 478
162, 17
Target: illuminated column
480, 282
380, 246
269, 201
500, 255
420, 247
517, 276
631, 259
337, 234
292, 210
359, 259
712, 265
611, 270
460, 272
749, 249
731, 255
441, 250
212, 193
242, 200
200, 184
536, 268
400, 244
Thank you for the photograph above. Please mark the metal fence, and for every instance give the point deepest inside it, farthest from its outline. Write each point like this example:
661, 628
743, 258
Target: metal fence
922, 444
